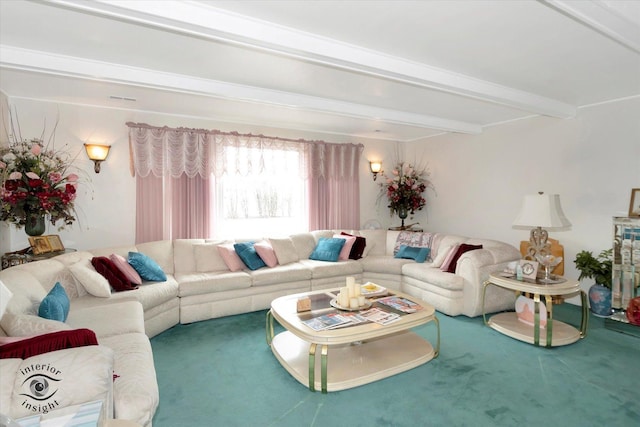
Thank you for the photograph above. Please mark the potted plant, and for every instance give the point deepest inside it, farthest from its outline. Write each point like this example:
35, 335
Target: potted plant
598, 268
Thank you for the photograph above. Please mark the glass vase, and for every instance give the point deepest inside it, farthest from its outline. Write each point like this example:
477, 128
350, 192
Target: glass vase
34, 224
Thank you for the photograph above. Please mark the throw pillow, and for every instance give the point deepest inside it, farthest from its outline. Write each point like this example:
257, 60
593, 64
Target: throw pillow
112, 273
285, 250
411, 252
92, 281
247, 253
55, 306
230, 257
440, 256
131, 274
27, 325
146, 267
32, 346
447, 260
461, 250
346, 248
266, 252
413, 238
327, 249
357, 250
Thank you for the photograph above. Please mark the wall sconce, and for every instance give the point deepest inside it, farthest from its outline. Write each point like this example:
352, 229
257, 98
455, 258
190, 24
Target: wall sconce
376, 168
97, 153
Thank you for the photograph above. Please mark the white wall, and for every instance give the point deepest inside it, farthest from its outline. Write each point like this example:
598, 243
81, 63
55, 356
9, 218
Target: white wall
106, 203
592, 161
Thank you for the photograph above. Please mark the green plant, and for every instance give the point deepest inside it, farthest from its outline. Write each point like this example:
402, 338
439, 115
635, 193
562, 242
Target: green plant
596, 268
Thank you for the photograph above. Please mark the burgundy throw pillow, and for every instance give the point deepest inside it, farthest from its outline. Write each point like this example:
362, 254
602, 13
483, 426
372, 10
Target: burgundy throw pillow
45, 343
358, 246
461, 250
116, 278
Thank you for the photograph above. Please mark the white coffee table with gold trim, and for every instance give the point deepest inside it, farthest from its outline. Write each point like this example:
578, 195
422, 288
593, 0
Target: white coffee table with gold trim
556, 333
349, 356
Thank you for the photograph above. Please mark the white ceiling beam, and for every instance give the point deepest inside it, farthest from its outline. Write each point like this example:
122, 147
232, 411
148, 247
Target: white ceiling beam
200, 20
602, 17
42, 62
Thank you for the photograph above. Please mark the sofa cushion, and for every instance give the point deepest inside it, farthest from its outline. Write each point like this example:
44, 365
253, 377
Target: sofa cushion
60, 379
146, 267
346, 248
92, 281
294, 272
230, 257
211, 283
55, 306
266, 253
413, 238
414, 253
304, 244
463, 248
26, 325
52, 341
129, 272
324, 269
449, 257
208, 258
116, 278
376, 242
247, 253
327, 249
357, 250
285, 250
433, 276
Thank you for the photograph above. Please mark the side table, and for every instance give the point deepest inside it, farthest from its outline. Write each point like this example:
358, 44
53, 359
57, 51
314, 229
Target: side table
557, 333
25, 256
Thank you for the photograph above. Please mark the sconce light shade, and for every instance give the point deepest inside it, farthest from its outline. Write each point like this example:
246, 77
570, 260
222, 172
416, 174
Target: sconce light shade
98, 153
376, 168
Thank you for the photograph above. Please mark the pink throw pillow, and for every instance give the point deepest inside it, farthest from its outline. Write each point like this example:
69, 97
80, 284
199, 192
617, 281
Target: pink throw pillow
346, 248
123, 265
266, 253
230, 257
449, 258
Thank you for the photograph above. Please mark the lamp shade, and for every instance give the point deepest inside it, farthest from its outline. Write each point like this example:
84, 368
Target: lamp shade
97, 151
541, 210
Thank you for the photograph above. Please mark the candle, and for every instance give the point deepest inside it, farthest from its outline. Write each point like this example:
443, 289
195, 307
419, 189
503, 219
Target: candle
344, 301
351, 280
354, 303
361, 300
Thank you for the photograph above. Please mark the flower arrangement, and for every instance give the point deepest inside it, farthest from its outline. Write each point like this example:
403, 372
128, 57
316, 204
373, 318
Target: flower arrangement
36, 183
404, 189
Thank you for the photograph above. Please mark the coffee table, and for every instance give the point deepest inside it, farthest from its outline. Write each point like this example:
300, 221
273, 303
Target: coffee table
556, 333
360, 354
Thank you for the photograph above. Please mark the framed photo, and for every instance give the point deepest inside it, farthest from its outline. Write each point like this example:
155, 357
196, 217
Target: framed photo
40, 245
55, 243
634, 204
529, 269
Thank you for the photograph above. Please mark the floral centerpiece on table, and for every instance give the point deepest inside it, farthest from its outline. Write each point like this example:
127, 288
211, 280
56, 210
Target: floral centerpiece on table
36, 183
404, 189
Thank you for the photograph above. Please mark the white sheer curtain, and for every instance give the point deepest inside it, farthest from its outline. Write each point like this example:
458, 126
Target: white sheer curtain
175, 170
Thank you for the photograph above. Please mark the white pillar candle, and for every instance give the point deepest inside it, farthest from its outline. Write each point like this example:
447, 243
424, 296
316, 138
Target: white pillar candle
352, 291
344, 298
361, 300
357, 289
351, 280
354, 303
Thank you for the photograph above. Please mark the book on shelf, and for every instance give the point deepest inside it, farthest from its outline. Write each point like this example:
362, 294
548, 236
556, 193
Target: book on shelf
400, 303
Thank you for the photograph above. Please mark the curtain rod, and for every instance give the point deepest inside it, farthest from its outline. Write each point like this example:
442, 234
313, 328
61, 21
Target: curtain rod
219, 132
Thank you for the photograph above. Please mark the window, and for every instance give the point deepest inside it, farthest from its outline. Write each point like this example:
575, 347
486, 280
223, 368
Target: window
264, 197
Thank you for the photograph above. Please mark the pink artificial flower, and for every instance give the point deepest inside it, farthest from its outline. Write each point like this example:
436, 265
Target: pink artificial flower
15, 175
32, 175
36, 149
55, 177
2, 165
395, 172
72, 177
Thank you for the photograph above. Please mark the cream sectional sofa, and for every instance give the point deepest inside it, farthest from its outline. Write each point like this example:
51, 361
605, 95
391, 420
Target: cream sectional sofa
199, 286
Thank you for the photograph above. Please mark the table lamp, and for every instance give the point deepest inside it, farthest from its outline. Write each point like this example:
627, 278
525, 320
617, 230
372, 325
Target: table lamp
541, 212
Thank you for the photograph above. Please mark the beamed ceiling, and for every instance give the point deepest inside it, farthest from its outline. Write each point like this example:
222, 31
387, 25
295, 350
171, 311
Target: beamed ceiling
396, 70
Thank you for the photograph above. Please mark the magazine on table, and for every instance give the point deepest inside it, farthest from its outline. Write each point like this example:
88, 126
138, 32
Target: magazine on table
326, 321
380, 316
400, 303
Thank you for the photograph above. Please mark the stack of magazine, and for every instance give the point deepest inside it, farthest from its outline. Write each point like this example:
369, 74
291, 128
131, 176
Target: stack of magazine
341, 320
401, 304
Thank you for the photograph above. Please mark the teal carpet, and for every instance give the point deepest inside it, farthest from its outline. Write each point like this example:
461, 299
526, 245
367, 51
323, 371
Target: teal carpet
222, 373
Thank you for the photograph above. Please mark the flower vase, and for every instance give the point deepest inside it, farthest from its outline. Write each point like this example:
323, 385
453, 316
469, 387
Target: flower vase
34, 224
600, 300
403, 213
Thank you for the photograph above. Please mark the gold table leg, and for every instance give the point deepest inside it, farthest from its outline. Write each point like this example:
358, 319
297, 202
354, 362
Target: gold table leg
549, 305
323, 376
585, 315
312, 367
269, 327
437, 322
536, 319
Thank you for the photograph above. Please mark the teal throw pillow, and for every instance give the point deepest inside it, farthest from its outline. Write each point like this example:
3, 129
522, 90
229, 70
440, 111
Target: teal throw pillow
411, 252
55, 306
327, 249
146, 267
247, 253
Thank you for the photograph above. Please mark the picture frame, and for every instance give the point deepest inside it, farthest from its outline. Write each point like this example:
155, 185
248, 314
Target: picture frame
55, 243
40, 245
529, 269
634, 203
